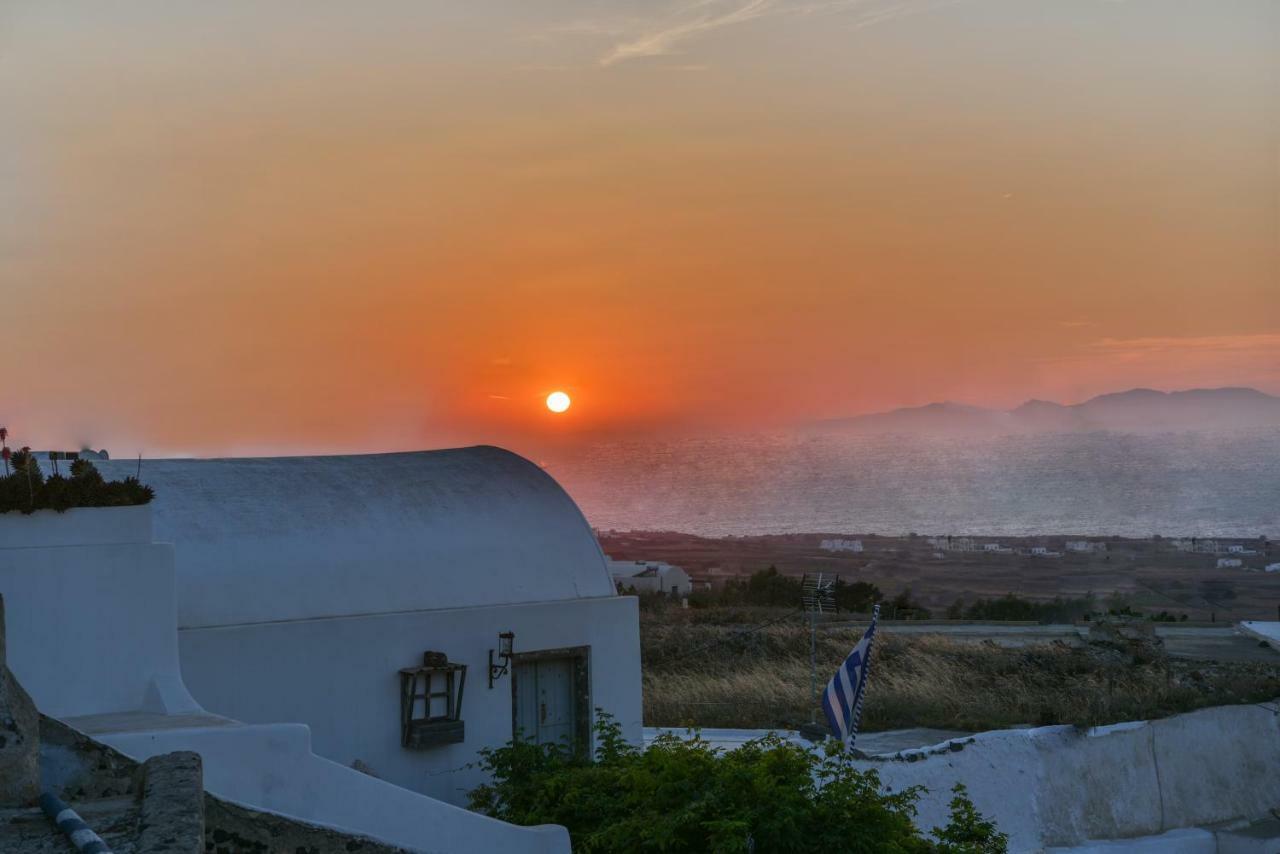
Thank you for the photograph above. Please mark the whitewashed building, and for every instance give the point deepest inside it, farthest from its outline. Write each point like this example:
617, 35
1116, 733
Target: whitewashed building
1085, 546
650, 576
1198, 546
276, 616
854, 546
953, 544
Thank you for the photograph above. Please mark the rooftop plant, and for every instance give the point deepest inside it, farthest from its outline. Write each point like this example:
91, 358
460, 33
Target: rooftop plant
24, 487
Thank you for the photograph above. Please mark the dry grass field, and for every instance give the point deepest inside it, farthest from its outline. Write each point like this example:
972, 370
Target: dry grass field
703, 671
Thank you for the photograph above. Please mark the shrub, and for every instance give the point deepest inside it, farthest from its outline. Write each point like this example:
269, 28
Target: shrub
903, 607
1011, 607
770, 588
685, 796
26, 489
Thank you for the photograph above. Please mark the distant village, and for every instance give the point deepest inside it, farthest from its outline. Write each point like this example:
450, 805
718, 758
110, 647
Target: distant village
943, 567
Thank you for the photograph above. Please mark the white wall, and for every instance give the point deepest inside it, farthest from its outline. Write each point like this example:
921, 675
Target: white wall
1059, 786
273, 768
76, 527
339, 676
1262, 630
90, 627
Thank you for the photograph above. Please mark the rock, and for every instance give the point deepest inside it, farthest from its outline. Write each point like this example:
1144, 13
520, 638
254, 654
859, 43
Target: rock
172, 805
19, 736
364, 768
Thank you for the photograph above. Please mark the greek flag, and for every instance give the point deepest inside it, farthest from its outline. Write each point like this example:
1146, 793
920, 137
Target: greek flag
842, 701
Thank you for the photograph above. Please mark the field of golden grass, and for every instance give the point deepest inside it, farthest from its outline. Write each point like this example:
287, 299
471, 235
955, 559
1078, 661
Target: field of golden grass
699, 672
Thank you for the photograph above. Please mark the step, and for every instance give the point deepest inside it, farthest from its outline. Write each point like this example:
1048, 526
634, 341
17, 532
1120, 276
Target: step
1261, 837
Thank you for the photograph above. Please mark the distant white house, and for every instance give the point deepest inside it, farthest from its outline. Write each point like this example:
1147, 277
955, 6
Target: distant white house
1229, 562
1043, 551
1085, 546
841, 545
650, 576
1198, 546
996, 548
1240, 550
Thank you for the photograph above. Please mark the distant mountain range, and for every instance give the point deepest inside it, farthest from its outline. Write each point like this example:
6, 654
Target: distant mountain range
1136, 410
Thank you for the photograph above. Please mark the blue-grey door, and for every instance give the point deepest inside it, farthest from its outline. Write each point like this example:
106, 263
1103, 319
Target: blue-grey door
546, 708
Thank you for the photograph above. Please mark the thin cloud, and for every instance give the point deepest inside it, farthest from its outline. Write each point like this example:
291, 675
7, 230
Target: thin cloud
693, 19
1167, 361
1257, 344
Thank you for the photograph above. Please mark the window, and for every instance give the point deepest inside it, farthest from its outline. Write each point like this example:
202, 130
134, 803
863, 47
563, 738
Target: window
431, 702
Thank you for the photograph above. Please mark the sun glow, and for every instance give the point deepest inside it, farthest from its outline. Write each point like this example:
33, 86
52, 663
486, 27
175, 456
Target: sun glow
558, 401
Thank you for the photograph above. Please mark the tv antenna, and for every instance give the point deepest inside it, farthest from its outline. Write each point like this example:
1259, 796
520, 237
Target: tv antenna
818, 596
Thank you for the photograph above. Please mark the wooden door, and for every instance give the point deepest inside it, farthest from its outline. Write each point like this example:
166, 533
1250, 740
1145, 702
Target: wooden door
546, 701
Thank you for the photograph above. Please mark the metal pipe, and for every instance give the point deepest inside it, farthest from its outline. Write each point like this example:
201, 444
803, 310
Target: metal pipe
70, 823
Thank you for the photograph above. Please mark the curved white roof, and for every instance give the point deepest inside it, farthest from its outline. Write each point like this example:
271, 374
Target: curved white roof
286, 538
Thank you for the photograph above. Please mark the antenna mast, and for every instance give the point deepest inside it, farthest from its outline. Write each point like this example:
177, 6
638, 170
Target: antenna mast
818, 597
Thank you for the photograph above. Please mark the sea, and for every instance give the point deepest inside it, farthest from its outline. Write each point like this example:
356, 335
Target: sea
1104, 483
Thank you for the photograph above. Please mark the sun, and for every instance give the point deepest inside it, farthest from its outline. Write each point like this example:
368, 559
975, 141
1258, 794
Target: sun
558, 401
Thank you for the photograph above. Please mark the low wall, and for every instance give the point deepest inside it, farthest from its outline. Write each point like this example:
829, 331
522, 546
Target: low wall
1062, 786
76, 527
272, 768
1268, 632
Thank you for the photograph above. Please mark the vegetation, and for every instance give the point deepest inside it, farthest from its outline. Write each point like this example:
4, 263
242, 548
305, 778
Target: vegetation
721, 674
1059, 610
686, 796
24, 487
770, 588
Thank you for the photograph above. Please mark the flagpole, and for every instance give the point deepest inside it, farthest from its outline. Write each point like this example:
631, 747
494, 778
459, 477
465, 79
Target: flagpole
866, 677
813, 666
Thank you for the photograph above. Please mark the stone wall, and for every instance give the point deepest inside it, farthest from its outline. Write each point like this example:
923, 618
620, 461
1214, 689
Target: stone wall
164, 803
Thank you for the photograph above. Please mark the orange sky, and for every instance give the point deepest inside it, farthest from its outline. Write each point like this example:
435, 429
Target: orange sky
333, 226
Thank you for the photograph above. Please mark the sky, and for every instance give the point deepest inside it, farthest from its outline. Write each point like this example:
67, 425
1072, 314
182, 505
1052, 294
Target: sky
308, 226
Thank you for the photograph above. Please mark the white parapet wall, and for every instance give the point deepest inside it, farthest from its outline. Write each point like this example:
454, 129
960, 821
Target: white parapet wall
92, 635
1267, 632
90, 612
77, 527
1067, 787
272, 767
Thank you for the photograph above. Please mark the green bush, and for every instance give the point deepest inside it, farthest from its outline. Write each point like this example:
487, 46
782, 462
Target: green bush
770, 588
681, 795
1011, 607
26, 489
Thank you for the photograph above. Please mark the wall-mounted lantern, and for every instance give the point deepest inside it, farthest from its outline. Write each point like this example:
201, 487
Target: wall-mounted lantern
431, 702
506, 640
